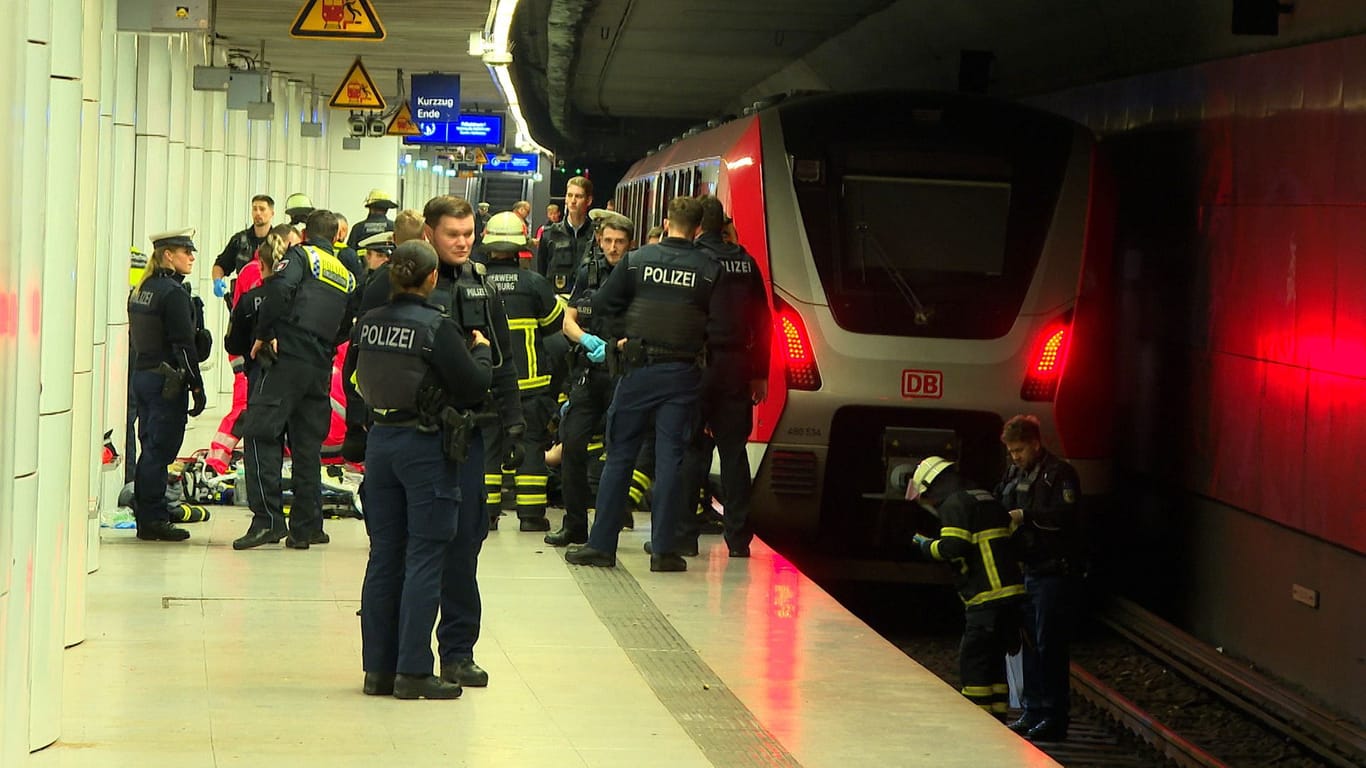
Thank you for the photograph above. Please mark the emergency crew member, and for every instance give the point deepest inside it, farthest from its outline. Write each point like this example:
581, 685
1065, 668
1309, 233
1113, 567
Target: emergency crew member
308, 310
735, 379
564, 245
533, 313
975, 537
1041, 491
590, 383
297, 208
463, 294
242, 246
412, 362
663, 292
378, 203
166, 330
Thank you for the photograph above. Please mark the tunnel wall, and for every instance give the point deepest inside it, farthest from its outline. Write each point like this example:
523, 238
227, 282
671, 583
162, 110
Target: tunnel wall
1241, 251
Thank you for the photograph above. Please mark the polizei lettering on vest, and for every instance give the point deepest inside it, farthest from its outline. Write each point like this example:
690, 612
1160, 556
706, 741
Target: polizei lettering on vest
392, 336
736, 266
682, 278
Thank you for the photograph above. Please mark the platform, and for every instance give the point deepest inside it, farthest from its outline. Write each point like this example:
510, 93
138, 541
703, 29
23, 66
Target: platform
201, 656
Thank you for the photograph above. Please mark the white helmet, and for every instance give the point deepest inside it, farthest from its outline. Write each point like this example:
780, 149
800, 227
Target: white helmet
924, 476
505, 231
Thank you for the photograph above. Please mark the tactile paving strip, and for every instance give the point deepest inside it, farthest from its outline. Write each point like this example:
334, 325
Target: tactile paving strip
721, 725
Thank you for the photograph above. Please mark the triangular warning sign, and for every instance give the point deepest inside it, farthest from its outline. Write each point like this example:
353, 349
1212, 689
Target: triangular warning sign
402, 124
337, 20
480, 157
357, 90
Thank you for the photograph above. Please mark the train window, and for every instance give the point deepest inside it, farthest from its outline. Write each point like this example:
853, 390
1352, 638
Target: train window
930, 225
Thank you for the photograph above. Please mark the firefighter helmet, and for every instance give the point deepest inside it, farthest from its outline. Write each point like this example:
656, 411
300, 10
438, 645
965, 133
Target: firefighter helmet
925, 473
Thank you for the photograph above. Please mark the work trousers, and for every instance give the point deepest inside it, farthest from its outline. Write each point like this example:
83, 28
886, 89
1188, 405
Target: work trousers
990, 633
161, 429
1049, 613
289, 398
725, 416
461, 609
529, 479
411, 512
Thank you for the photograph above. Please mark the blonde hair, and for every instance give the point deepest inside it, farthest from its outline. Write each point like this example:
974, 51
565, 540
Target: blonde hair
155, 263
407, 226
273, 249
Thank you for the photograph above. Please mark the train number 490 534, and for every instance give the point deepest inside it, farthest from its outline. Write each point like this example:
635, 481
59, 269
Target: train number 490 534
922, 384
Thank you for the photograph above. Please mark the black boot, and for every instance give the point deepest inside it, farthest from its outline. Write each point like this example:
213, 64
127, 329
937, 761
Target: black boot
564, 537
424, 687
533, 524
586, 555
465, 672
161, 530
255, 537
378, 684
668, 563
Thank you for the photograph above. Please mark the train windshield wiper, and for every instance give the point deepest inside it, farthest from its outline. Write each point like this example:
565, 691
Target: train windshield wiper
865, 239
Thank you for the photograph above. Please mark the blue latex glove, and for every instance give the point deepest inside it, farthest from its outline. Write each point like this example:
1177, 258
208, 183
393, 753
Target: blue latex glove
220, 287
591, 344
920, 540
598, 355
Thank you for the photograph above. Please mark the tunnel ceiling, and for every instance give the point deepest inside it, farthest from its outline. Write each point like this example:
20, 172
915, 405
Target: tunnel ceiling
609, 79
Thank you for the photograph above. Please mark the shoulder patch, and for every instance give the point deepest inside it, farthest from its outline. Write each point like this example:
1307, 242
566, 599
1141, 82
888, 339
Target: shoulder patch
1069, 495
281, 264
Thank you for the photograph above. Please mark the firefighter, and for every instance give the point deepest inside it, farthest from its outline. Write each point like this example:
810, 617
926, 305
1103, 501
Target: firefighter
974, 536
412, 363
307, 311
533, 312
661, 294
166, 330
378, 203
1042, 492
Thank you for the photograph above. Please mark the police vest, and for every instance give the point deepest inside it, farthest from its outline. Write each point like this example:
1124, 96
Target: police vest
672, 291
146, 326
321, 303
731, 301
466, 298
530, 306
566, 254
582, 301
393, 346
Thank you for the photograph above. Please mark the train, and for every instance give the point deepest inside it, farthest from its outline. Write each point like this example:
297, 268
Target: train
937, 263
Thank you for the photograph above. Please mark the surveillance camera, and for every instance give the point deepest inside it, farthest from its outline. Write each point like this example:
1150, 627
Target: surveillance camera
377, 126
357, 124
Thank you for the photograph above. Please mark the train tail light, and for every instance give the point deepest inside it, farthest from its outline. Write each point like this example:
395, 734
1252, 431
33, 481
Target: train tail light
1046, 362
799, 358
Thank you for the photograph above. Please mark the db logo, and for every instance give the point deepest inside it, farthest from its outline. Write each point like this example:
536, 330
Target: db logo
922, 384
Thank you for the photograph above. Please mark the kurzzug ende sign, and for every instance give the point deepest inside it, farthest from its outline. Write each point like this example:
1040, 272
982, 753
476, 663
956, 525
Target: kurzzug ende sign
436, 98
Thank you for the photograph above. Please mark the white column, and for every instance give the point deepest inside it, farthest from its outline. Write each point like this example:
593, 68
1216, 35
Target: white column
294, 141
277, 147
14, 593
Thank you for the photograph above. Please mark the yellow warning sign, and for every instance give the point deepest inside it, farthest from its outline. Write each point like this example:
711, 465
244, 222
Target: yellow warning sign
357, 90
402, 124
480, 158
337, 20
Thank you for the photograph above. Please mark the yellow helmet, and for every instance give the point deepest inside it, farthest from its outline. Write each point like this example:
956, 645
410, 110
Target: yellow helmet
505, 231
924, 476
379, 197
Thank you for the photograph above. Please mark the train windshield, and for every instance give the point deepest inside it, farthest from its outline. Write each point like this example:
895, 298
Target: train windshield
932, 225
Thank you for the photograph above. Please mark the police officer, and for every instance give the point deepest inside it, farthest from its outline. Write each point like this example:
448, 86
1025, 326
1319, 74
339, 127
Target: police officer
564, 245
412, 363
735, 379
663, 292
975, 536
590, 383
166, 330
1042, 491
462, 292
534, 312
307, 311
378, 203
242, 245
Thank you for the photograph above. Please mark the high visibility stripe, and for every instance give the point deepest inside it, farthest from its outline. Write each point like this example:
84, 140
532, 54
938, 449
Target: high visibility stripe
641, 479
934, 550
1000, 688
989, 562
995, 594
535, 382
533, 480
636, 495
527, 327
555, 312
495, 497
493, 479
508, 474
329, 269
594, 447
532, 500
957, 533
974, 691
999, 708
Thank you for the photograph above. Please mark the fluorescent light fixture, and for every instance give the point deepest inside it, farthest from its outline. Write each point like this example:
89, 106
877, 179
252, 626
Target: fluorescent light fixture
497, 57
407, 158
422, 165
450, 172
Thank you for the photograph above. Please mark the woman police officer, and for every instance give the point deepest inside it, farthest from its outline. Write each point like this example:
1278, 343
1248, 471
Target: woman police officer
408, 351
166, 328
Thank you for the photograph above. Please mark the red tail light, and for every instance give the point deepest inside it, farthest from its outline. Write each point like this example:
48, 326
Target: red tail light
1047, 362
799, 358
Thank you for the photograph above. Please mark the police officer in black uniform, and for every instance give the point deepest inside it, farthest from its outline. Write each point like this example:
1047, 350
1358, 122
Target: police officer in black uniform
590, 383
242, 245
413, 362
1042, 491
308, 310
564, 246
378, 203
462, 292
975, 537
534, 313
663, 293
166, 328
735, 379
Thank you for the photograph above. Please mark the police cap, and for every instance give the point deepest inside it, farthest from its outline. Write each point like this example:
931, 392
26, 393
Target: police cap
176, 238
382, 242
603, 217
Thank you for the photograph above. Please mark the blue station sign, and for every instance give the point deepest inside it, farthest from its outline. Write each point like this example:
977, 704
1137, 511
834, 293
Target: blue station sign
465, 131
436, 98
518, 163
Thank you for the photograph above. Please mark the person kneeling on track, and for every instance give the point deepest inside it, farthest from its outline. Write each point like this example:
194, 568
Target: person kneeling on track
975, 535
420, 379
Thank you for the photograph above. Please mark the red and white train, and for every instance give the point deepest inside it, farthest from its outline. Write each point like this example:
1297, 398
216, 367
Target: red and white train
937, 263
